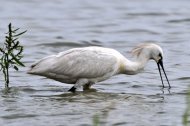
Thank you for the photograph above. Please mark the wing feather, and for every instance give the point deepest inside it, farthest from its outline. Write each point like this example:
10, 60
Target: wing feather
84, 63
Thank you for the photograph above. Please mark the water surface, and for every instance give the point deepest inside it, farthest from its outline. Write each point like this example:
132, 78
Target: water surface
139, 100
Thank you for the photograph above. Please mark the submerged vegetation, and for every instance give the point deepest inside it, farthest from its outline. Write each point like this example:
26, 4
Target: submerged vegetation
11, 53
96, 120
186, 116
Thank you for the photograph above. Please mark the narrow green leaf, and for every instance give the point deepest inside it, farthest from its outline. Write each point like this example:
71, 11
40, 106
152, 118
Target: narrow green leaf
1, 66
14, 47
15, 30
16, 44
2, 59
1, 50
14, 40
20, 57
20, 51
19, 34
17, 61
4, 73
16, 68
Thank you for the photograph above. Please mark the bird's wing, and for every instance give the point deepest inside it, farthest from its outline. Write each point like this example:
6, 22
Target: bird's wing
84, 63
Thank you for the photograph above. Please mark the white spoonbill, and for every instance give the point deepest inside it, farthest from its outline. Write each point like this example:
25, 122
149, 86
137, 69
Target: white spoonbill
89, 65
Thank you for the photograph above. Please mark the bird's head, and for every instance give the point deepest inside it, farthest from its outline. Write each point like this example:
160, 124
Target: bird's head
152, 51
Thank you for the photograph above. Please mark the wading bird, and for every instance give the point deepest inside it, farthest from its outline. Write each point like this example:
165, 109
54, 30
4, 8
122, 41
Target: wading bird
89, 65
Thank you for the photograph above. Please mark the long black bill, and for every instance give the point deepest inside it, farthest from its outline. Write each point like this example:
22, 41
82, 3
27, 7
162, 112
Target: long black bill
160, 63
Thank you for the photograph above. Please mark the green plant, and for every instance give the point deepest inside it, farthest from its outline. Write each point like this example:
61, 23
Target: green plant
96, 120
11, 53
186, 115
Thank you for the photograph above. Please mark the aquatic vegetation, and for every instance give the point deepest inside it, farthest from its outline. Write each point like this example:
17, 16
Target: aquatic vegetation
96, 120
11, 53
186, 116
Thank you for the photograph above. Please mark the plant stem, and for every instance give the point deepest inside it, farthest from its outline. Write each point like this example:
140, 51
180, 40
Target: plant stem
7, 57
7, 73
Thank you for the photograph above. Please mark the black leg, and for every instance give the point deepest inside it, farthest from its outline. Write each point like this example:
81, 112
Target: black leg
86, 87
73, 89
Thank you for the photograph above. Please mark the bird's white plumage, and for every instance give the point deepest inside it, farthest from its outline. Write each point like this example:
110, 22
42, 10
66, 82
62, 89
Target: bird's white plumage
89, 65
92, 63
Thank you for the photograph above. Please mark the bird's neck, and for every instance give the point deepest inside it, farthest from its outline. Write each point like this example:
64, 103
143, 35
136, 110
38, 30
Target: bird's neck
134, 67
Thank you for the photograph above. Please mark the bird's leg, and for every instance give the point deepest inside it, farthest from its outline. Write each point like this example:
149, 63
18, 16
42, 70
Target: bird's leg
79, 83
87, 86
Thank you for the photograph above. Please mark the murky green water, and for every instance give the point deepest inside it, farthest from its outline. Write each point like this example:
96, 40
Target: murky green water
57, 25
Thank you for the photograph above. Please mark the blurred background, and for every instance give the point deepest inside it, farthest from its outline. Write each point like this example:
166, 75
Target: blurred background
57, 25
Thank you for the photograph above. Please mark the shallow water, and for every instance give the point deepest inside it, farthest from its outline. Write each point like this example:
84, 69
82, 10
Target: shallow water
139, 100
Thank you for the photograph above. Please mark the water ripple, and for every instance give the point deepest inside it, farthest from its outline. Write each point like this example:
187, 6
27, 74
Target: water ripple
148, 14
179, 20
82, 43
